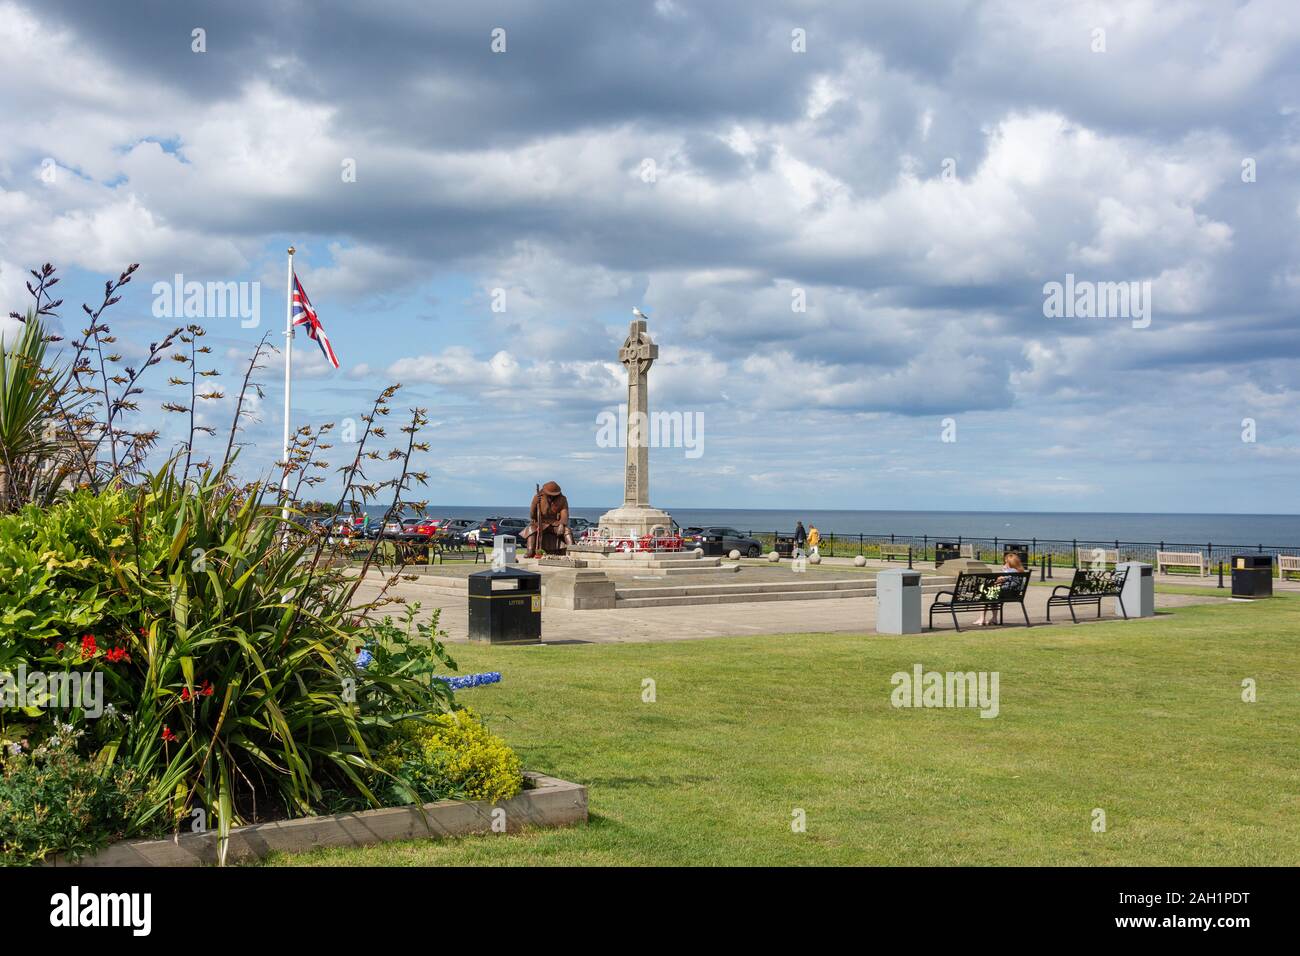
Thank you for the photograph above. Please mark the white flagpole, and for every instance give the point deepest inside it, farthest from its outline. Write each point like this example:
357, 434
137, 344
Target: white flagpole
288, 382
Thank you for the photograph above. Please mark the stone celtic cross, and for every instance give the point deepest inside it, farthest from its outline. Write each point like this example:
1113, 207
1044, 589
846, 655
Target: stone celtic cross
637, 354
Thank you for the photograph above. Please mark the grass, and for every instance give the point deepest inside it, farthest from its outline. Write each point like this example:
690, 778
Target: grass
1143, 720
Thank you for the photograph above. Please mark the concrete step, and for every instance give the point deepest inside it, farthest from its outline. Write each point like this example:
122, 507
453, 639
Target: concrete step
626, 572
696, 599
754, 587
743, 594
608, 564
645, 556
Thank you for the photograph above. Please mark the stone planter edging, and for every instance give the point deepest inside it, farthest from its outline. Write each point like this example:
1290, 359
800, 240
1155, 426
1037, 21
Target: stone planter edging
550, 802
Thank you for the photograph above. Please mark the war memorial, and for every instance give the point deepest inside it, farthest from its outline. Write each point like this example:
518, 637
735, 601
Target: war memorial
634, 562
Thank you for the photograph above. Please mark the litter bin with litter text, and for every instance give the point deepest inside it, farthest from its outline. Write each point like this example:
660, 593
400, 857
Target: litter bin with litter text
1139, 592
898, 602
505, 606
1252, 575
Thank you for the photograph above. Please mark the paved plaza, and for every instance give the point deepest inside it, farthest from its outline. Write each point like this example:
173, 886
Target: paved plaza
841, 615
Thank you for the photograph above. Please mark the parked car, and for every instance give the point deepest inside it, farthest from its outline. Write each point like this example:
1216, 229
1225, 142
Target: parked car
487, 526
580, 526
514, 526
343, 526
455, 530
396, 527
691, 537
732, 540
491, 527
423, 529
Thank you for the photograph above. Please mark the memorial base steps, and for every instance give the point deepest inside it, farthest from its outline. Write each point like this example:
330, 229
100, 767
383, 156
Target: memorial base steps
629, 596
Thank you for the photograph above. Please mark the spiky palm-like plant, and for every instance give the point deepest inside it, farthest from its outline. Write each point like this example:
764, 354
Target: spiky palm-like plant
34, 458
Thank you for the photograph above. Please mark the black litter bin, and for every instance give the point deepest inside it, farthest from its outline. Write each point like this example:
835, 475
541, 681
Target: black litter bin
784, 545
1019, 549
945, 551
505, 606
1252, 575
712, 544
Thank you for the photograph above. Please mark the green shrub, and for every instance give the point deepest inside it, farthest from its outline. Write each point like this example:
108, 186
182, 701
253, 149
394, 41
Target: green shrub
53, 800
229, 652
455, 756
225, 634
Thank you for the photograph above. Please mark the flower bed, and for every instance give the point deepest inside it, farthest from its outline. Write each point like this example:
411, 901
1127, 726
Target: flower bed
180, 652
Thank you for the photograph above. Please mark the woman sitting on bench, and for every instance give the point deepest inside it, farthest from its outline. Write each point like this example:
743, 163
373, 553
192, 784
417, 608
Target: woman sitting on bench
1010, 562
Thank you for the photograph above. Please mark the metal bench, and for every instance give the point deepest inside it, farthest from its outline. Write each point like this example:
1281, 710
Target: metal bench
425, 551
1182, 559
1089, 587
440, 551
983, 591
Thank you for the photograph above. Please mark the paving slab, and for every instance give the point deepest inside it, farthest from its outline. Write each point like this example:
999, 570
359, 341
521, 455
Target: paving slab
636, 625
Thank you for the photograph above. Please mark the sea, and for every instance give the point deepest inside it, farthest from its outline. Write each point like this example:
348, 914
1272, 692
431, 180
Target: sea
1220, 529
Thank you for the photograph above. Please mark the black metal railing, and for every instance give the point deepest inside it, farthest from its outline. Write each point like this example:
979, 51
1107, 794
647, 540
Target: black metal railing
1061, 552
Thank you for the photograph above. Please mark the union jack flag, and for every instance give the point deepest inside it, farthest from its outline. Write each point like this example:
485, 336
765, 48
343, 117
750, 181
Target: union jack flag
304, 314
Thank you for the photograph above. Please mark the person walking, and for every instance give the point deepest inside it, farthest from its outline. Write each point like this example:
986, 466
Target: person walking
814, 539
800, 536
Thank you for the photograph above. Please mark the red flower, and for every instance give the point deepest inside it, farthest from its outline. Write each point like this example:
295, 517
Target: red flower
115, 654
205, 690
59, 646
167, 734
143, 632
88, 648
185, 694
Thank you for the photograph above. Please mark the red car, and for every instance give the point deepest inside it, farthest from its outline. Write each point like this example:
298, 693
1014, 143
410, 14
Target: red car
425, 527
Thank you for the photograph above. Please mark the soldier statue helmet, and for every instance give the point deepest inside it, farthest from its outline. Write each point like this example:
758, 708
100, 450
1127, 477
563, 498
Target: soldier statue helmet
548, 530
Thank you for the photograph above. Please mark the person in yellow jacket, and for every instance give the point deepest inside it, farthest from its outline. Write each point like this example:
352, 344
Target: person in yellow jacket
814, 538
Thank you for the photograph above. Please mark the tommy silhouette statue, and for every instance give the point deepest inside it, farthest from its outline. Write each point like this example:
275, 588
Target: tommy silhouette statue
548, 531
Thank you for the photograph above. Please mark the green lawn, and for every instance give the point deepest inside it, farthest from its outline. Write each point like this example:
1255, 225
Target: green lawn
1144, 720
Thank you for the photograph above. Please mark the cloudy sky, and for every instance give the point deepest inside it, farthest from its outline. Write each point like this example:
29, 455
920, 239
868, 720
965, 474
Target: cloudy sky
840, 218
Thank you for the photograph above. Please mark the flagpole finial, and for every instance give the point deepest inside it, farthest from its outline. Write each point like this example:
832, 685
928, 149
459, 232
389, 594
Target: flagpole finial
291, 250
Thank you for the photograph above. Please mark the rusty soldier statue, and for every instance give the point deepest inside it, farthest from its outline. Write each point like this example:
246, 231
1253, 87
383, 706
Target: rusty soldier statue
548, 532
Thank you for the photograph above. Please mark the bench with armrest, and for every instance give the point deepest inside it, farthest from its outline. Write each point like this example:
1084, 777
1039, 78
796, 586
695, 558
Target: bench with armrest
1288, 564
983, 591
442, 549
1182, 559
891, 551
1096, 558
434, 550
1089, 587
